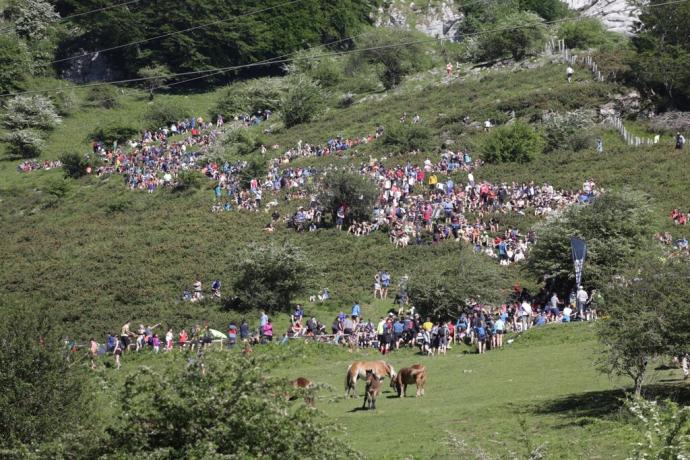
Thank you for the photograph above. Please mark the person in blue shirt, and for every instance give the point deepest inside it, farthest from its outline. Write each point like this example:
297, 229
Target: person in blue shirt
356, 311
398, 328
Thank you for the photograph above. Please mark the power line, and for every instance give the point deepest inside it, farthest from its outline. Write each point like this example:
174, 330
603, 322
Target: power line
283, 60
76, 15
169, 34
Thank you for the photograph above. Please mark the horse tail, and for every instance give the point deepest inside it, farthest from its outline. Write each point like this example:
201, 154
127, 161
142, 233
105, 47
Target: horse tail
348, 380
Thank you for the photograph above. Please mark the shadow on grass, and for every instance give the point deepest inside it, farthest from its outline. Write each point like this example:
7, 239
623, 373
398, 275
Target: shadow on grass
584, 408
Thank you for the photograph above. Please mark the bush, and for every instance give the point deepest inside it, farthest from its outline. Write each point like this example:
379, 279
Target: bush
516, 34
302, 102
380, 48
359, 193
25, 143
547, 9
238, 141
326, 71
250, 97
404, 138
14, 60
74, 164
164, 113
517, 142
113, 133
104, 97
24, 112
583, 33
269, 276
188, 180
569, 130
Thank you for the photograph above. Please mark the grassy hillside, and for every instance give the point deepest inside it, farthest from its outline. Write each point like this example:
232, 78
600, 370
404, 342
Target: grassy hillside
94, 254
540, 391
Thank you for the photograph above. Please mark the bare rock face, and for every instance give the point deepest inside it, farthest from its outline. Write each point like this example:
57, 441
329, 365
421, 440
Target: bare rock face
90, 68
616, 15
438, 19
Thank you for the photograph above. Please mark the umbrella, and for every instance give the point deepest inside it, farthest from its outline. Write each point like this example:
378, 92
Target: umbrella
217, 334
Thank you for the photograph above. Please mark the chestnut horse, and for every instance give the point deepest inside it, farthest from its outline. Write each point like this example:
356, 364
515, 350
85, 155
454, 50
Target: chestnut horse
359, 369
373, 389
300, 383
408, 375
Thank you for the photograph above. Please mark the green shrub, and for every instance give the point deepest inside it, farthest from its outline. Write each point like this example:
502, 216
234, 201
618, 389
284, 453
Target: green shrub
516, 34
380, 48
105, 97
24, 112
547, 9
74, 164
163, 113
569, 131
188, 180
250, 97
517, 142
326, 71
302, 102
584, 33
113, 133
358, 192
25, 143
405, 138
14, 61
238, 141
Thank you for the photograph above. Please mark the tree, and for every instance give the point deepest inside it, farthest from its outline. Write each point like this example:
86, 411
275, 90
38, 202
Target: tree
303, 101
25, 143
165, 112
74, 164
548, 9
42, 397
381, 48
404, 138
517, 142
250, 97
647, 318
517, 34
616, 226
13, 63
270, 275
353, 191
24, 112
216, 406
102, 96
32, 18
444, 288
156, 76
661, 65
583, 33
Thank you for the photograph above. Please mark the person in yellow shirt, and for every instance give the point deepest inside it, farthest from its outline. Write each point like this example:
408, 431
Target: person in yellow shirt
428, 325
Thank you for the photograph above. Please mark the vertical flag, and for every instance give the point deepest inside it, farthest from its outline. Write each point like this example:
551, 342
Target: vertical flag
579, 251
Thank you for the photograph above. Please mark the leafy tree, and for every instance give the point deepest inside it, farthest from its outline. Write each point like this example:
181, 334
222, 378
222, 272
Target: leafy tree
583, 33
270, 275
217, 406
188, 180
13, 63
24, 112
25, 143
516, 34
404, 138
41, 396
548, 9
517, 142
665, 433
615, 227
251, 96
110, 134
74, 164
569, 130
157, 75
647, 318
302, 102
353, 191
381, 48
32, 18
444, 288
238, 141
164, 113
103, 96
326, 71
661, 66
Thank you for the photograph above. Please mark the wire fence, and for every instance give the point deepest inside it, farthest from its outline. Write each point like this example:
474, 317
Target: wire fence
557, 47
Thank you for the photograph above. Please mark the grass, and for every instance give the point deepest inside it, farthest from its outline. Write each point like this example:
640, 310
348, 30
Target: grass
541, 390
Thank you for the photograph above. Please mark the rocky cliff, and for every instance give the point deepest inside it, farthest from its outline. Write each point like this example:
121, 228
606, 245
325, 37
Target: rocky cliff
617, 15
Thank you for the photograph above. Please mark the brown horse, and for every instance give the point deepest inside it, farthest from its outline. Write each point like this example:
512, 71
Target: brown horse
372, 390
408, 375
300, 383
359, 369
